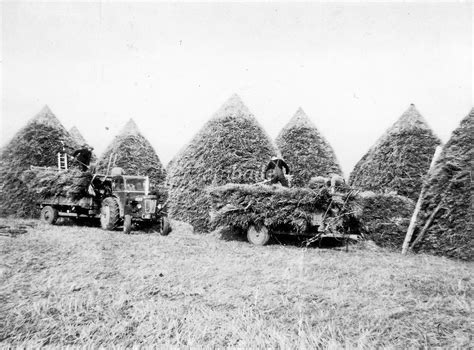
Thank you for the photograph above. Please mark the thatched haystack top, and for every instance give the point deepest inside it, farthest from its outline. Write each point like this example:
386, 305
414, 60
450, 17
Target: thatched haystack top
77, 136
46, 117
134, 154
131, 128
411, 120
230, 147
400, 159
306, 150
233, 107
450, 187
299, 120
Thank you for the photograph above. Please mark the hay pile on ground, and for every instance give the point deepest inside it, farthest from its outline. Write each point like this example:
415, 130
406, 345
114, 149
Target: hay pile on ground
231, 147
134, 154
400, 158
384, 218
450, 189
36, 144
306, 151
50, 183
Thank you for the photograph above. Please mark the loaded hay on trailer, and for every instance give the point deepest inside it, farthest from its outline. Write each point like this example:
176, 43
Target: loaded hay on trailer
448, 199
231, 147
51, 183
399, 159
282, 208
36, 144
306, 151
132, 152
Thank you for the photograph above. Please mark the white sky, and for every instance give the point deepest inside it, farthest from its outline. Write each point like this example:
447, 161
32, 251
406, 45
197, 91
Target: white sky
354, 68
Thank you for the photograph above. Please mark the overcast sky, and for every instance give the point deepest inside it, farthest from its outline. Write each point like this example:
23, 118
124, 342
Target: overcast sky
354, 68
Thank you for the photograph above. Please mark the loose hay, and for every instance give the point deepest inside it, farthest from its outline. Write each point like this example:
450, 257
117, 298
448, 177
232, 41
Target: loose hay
231, 147
306, 151
46, 183
36, 144
134, 154
384, 218
400, 158
450, 186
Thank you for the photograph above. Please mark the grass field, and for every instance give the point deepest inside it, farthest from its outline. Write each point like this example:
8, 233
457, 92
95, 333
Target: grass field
66, 285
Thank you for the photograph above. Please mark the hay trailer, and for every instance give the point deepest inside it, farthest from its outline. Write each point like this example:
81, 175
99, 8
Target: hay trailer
115, 200
263, 211
318, 227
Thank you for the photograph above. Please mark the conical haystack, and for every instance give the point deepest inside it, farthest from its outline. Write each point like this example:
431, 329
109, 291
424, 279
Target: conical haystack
450, 189
77, 136
399, 159
231, 147
134, 154
35, 144
305, 150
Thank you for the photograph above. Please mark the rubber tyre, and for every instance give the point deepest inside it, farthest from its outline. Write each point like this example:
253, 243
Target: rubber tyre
49, 215
109, 214
258, 237
127, 224
165, 226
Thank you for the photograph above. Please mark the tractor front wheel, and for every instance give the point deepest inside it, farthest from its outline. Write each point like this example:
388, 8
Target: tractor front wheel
49, 215
165, 226
258, 237
109, 213
127, 224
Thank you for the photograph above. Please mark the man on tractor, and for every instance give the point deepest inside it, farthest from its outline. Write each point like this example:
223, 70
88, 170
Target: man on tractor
277, 165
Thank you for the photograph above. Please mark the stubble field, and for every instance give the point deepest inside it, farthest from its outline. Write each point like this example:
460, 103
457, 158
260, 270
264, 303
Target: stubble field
70, 285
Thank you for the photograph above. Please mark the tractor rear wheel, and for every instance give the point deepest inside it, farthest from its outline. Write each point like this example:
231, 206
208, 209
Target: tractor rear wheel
165, 226
49, 215
258, 237
109, 213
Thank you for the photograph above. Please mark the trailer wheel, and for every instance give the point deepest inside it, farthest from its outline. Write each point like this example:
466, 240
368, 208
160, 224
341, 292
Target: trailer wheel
165, 226
49, 215
127, 224
258, 237
109, 213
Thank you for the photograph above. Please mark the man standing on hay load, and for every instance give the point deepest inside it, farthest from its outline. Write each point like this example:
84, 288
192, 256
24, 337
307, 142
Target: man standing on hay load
83, 156
277, 165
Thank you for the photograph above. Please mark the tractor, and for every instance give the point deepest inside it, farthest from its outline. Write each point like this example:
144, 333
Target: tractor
115, 199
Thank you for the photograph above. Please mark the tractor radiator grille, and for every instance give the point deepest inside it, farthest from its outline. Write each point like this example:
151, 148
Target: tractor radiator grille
150, 206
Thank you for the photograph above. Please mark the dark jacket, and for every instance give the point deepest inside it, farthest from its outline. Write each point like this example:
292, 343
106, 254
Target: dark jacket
83, 155
279, 165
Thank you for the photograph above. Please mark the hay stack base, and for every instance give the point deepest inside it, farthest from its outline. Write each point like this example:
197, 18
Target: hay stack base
384, 218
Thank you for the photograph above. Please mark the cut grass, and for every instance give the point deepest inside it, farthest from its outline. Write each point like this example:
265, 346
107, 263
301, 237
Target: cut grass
67, 285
